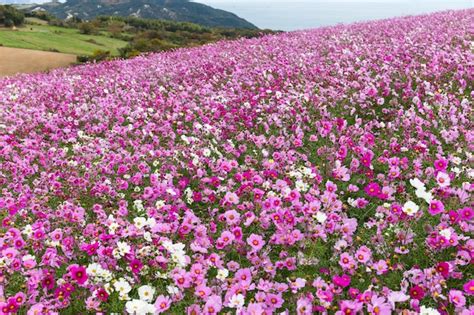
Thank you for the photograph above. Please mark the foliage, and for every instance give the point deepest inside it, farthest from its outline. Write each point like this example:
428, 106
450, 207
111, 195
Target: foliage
87, 28
148, 35
98, 55
9, 16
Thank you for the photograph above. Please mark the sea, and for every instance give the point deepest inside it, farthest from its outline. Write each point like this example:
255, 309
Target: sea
289, 15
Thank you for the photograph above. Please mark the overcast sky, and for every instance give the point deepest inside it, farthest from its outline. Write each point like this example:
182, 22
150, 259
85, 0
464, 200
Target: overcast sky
309, 1
303, 14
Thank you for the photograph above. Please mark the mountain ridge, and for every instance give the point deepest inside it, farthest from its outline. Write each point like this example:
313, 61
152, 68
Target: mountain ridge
175, 10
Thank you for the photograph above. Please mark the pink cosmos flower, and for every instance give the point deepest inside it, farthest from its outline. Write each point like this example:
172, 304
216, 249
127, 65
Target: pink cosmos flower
29, 263
349, 307
346, 261
231, 198
379, 306
274, 301
38, 308
304, 306
443, 180
202, 291
162, 304
325, 295
232, 217
381, 267
361, 203
213, 305
256, 242
457, 298
20, 298
363, 254
225, 239
9, 253
243, 276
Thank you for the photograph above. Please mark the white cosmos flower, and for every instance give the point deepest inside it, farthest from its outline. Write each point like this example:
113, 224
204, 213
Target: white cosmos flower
446, 233
171, 191
139, 222
27, 230
456, 170
415, 182
172, 290
138, 307
321, 217
222, 274
428, 311
147, 236
28, 257
236, 301
423, 194
456, 160
123, 248
301, 186
410, 208
397, 297
351, 202
151, 222
93, 269
122, 286
146, 293
179, 258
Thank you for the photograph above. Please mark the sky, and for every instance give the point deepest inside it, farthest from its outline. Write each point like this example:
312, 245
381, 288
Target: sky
305, 14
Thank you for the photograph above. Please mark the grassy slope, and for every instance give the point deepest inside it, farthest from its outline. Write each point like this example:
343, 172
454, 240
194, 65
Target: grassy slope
65, 40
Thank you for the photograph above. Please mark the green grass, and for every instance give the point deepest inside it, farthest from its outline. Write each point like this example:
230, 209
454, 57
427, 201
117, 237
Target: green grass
60, 39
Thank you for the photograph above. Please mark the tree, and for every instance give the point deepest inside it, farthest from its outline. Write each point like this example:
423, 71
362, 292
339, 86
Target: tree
9, 16
87, 28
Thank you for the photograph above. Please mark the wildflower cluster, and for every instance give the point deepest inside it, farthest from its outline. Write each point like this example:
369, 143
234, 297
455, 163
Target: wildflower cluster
324, 171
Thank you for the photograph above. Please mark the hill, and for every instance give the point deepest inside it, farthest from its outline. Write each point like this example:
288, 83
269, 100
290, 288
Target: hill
175, 10
59, 39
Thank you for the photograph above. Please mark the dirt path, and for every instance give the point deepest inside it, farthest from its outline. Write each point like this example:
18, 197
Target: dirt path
15, 60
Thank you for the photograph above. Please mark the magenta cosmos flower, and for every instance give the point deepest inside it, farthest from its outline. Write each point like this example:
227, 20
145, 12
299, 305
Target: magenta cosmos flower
469, 287
78, 273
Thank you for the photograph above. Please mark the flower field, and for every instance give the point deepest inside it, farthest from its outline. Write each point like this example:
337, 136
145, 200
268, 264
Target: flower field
324, 171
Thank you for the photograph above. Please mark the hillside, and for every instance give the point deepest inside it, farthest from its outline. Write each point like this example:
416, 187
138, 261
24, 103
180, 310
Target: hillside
59, 39
327, 171
175, 10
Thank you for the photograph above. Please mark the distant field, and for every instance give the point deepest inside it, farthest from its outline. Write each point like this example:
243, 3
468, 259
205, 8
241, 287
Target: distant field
15, 60
52, 38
